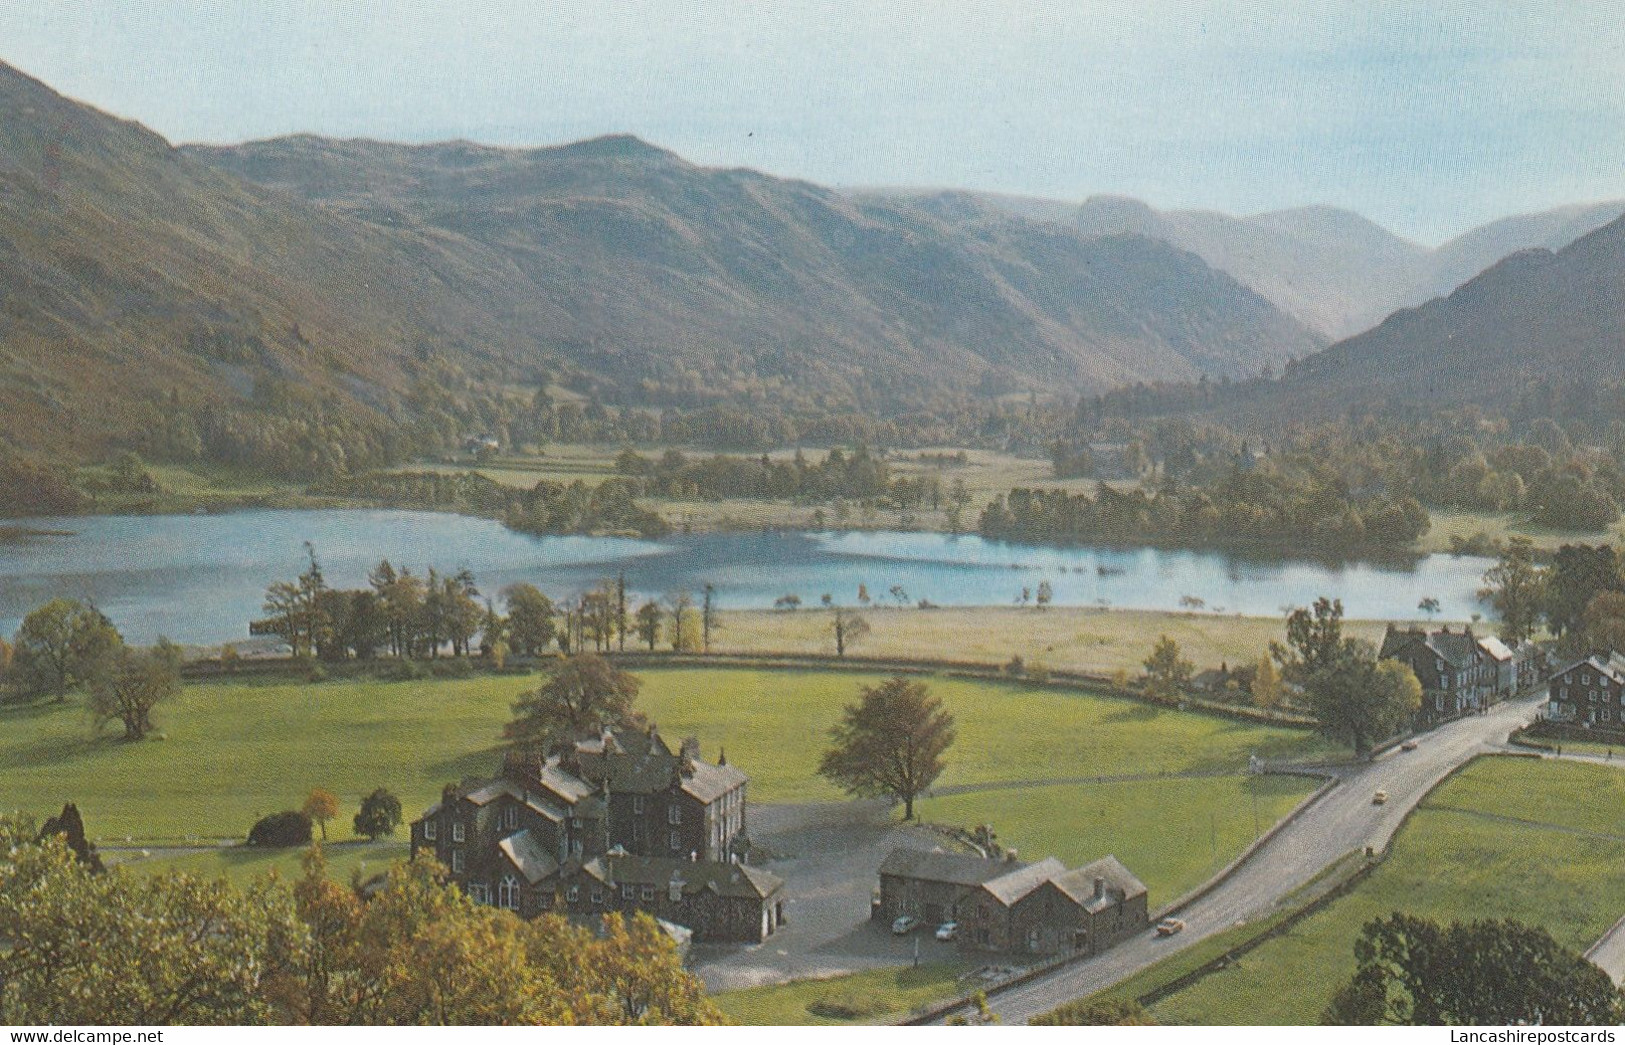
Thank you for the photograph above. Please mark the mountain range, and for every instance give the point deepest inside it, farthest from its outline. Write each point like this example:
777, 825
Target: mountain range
313, 278
1331, 269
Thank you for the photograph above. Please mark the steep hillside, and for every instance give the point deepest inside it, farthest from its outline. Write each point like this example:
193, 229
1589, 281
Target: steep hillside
1533, 317
677, 278
137, 284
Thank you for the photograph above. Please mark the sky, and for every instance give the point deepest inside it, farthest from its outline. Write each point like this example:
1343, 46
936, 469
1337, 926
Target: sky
1428, 117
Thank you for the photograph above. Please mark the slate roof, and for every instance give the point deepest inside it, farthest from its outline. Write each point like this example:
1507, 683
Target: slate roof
1459, 649
937, 866
695, 876
1079, 884
709, 783
1008, 888
1612, 668
529, 856
1495, 648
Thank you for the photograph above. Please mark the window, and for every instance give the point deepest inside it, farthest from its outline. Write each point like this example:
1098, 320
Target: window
648, 893
508, 893
457, 861
510, 817
457, 831
628, 891
637, 803
479, 892
674, 841
597, 894
574, 894
431, 830
674, 815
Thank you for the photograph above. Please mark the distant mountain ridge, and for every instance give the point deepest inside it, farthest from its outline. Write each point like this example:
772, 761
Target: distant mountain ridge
1331, 269
1536, 317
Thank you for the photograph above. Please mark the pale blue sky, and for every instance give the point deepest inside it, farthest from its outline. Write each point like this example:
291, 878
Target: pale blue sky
1427, 117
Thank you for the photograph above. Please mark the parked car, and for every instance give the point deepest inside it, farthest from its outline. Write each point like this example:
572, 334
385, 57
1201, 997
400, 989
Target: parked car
1379, 798
948, 931
1169, 926
905, 925
1409, 745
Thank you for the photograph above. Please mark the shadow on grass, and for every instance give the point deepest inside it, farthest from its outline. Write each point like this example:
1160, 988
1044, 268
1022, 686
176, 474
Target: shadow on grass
482, 763
1133, 711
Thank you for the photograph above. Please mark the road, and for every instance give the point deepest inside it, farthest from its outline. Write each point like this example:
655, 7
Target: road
1344, 820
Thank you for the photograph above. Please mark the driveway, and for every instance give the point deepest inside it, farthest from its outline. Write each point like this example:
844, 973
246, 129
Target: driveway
1342, 821
828, 854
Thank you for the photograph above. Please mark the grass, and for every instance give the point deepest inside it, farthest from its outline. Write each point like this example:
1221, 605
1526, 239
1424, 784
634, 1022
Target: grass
1457, 858
1175, 833
1505, 525
234, 752
240, 864
1060, 638
875, 996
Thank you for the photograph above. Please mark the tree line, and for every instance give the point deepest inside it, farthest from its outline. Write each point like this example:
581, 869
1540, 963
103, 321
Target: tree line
1578, 596
117, 948
1303, 509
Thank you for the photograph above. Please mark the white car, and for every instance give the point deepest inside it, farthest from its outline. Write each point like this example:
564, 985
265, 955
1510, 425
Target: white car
905, 925
948, 931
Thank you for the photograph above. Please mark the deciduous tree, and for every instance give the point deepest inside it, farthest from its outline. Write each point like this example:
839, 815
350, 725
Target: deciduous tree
379, 815
128, 684
583, 695
531, 622
321, 806
1516, 588
1166, 672
890, 743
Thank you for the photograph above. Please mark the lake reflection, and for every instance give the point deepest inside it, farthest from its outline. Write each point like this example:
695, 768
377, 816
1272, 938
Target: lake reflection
199, 579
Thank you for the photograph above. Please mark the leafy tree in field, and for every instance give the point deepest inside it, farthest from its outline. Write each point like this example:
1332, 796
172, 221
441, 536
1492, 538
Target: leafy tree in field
1516, 587
649, 616
682, 608
848, 628
1355, 699
584, 695
530, 619
1046, 594
1429, 606
379, 815
1266, 686
1166, 672
890, 743
1604, 623
128, 684
1578, 574
281, 830
1416, 972
321, 806
1108, 1012
58, 648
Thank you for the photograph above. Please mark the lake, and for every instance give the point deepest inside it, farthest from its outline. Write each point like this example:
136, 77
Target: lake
201, 578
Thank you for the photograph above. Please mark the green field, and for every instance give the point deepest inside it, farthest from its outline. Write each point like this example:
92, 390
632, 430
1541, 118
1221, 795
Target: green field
233, 752
344, 859
875, 996
1174, 833
1542, 842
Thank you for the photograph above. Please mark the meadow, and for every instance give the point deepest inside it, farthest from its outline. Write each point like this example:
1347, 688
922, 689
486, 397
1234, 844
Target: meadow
1060, 638
873, 996
228, 753
1538, 841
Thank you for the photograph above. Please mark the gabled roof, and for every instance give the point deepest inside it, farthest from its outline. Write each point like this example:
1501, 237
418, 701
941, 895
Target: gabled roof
529, 856
1008, 888
1459, 649
1610, 668
1121, 885
937, 866
1496, 649
692, 876
709, 783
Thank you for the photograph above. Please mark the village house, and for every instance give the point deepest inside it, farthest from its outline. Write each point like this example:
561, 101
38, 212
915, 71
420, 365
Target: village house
1589, 693
620, 822
1460, 673
1006, 905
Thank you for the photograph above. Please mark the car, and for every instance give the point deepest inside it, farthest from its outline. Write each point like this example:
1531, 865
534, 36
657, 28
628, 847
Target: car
948, 931
905, 925
1169, 926
1380, 798
1409, 745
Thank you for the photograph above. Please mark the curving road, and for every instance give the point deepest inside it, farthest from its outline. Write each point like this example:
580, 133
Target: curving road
1343, 820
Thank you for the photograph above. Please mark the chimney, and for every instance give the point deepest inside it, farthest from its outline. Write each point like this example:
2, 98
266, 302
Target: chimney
1011, 856
1100, 888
